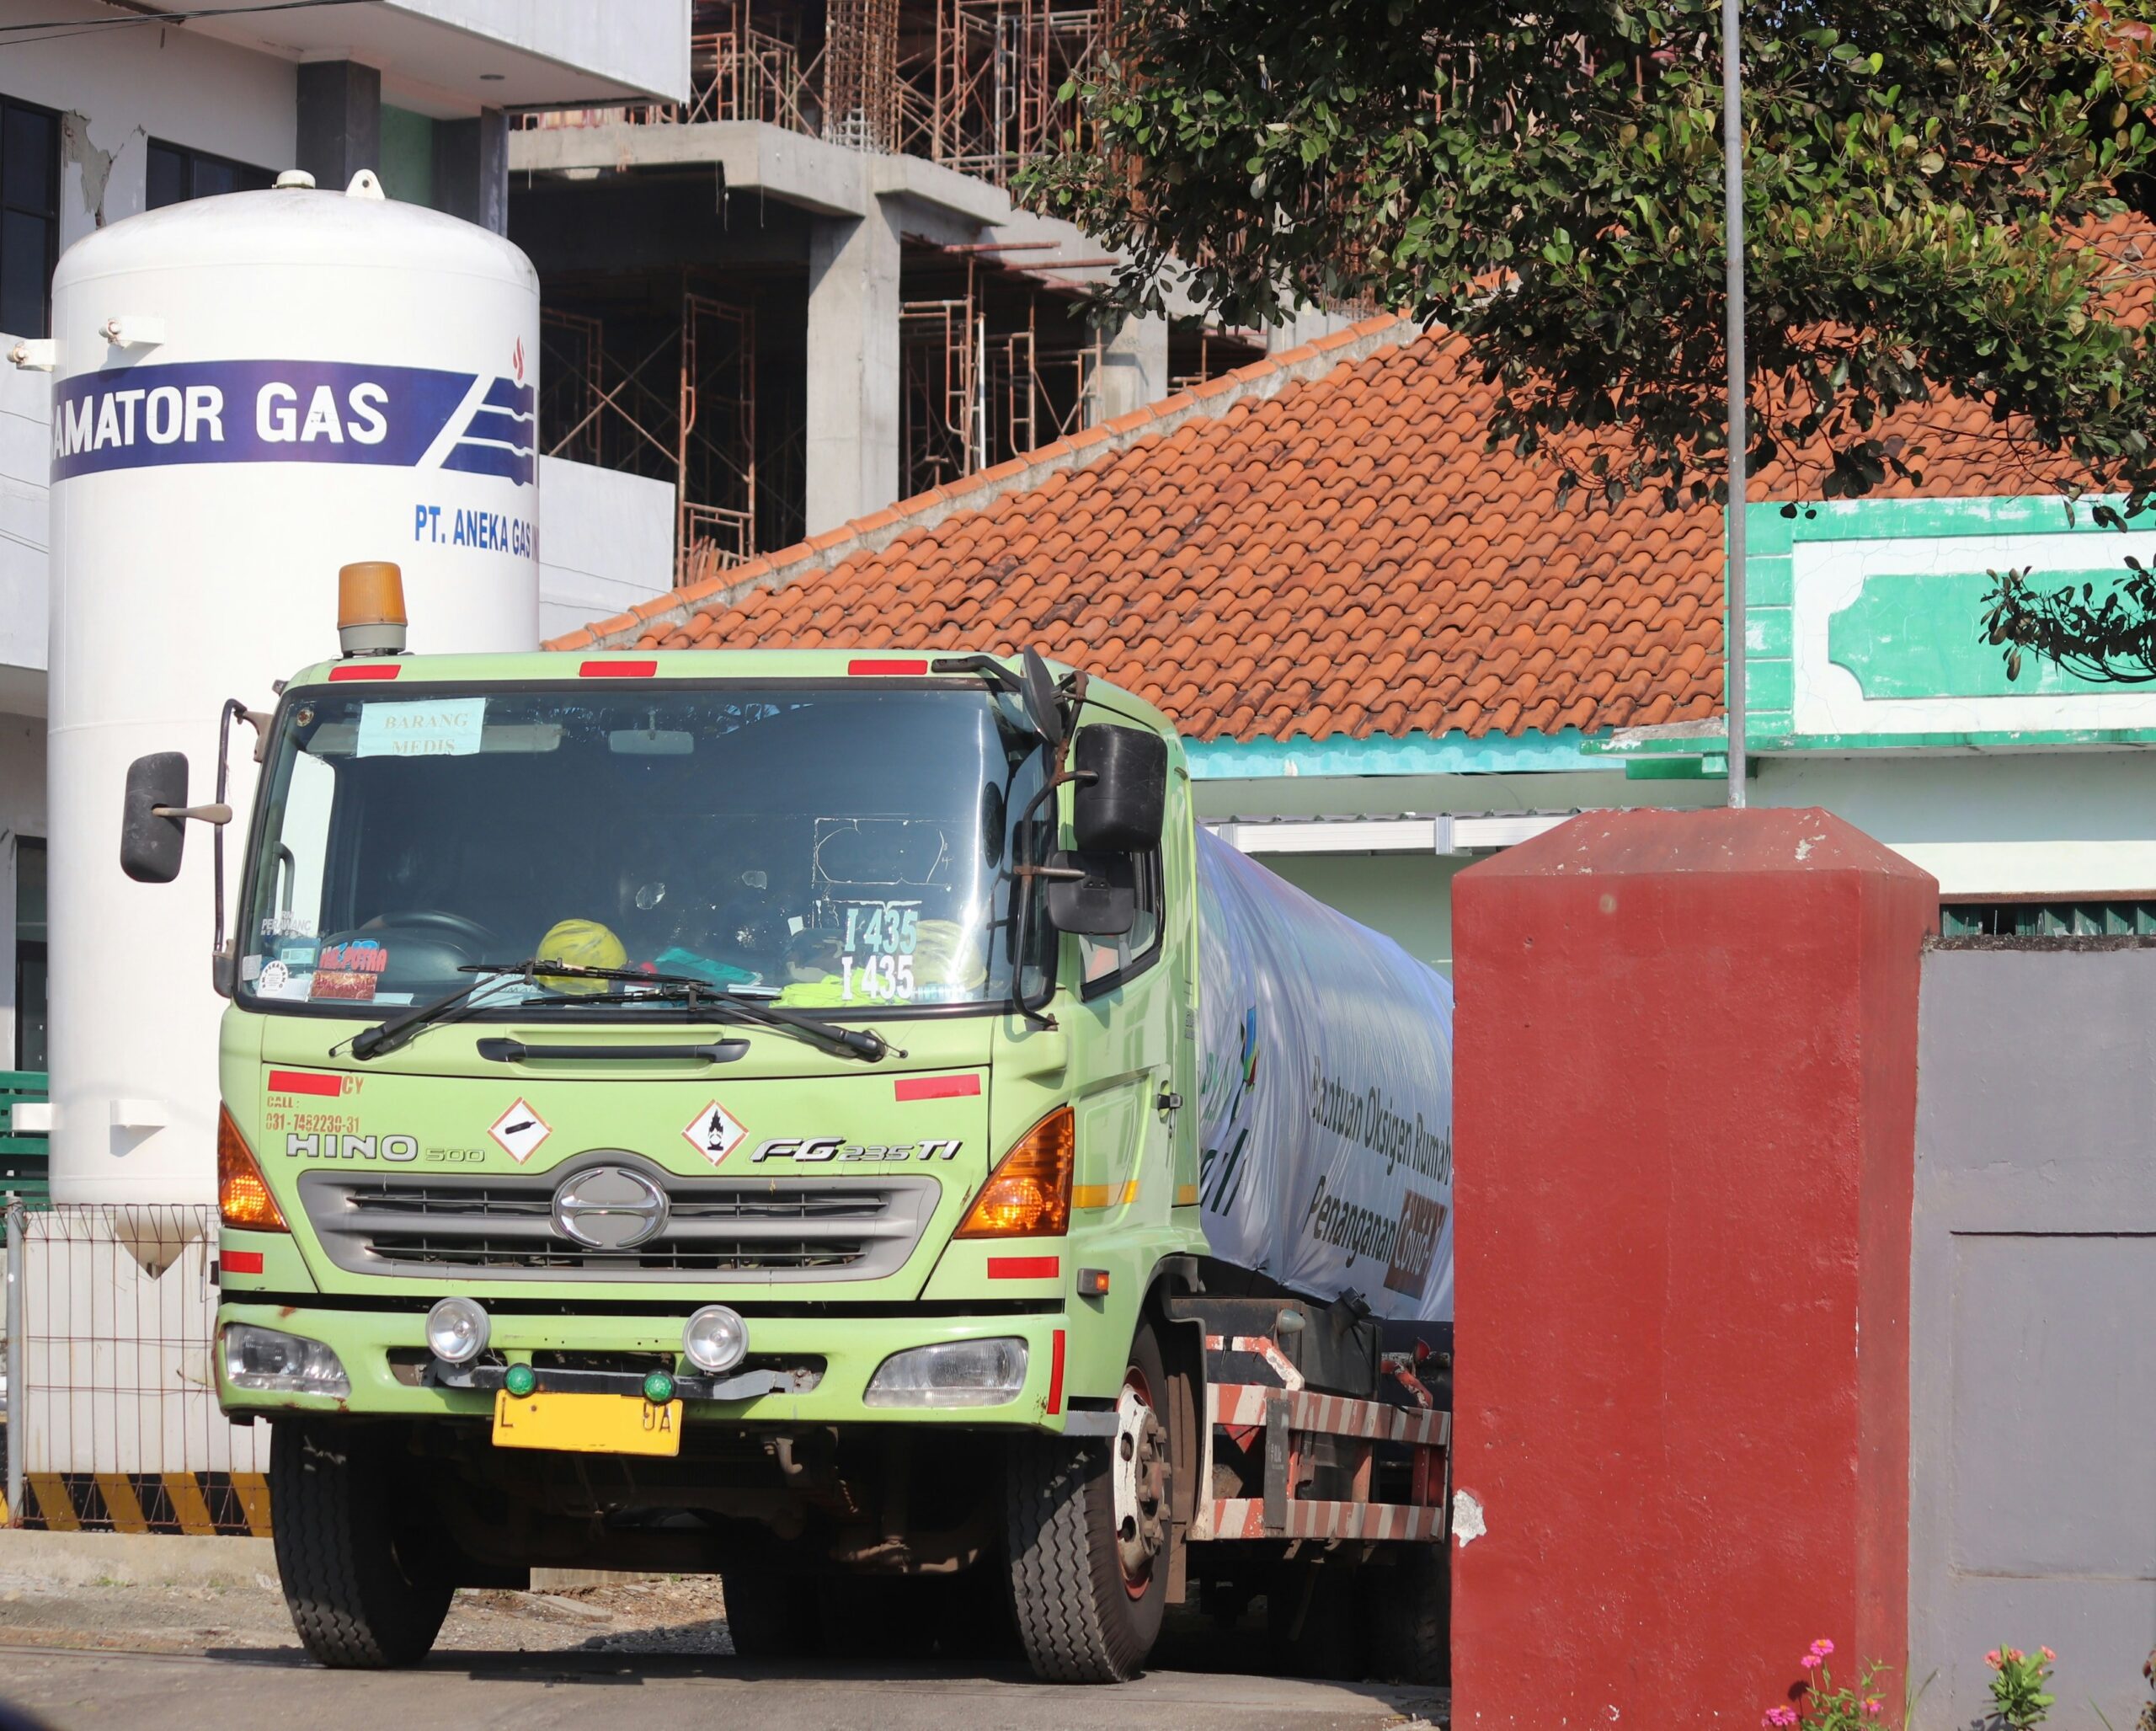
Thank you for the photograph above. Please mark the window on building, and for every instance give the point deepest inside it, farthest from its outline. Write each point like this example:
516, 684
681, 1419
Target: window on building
176, 174
2096, 917
29, 953
29, 216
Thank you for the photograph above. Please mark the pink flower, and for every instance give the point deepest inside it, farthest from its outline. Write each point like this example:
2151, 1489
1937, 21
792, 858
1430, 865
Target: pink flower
1778, 1715
1810, 1661
1823, 1646
1990, 1658
2050, 1658
1873, 1706
2015, 1655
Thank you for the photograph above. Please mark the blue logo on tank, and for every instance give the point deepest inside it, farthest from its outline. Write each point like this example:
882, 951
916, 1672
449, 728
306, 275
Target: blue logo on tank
295, 411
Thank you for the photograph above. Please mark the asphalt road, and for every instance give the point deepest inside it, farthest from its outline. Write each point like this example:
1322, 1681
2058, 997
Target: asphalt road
74, 1690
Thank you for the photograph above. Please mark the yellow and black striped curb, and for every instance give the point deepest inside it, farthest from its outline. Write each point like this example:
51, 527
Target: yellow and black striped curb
202, 1504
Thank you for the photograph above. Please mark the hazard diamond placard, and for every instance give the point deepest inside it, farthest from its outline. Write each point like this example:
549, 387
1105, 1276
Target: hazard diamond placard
518, 1131
714, 1132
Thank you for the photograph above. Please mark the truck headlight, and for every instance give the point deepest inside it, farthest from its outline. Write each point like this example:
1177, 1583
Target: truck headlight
959, 1373
269, 1362
457, 1330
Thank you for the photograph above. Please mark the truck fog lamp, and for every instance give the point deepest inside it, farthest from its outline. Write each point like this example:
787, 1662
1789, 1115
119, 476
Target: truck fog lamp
457, 1330
269, 1362
959, 1373
715, 1338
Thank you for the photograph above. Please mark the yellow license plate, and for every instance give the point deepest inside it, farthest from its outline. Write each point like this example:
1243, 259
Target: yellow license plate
587, 1423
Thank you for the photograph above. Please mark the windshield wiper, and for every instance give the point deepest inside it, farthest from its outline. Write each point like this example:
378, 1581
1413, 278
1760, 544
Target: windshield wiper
864, 1043
387, 1036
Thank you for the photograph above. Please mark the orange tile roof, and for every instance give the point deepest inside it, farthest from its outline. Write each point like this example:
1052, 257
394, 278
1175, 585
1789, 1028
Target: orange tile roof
1318, 545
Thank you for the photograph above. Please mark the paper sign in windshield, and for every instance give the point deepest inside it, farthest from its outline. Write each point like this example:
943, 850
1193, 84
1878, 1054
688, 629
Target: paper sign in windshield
450, 727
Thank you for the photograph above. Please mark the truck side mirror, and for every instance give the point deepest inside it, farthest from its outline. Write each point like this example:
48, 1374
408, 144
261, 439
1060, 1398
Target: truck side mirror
152, 841
1092, 895
1123, 807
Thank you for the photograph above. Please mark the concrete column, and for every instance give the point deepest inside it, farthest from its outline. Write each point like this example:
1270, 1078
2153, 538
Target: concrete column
339, 121
852, 434
1685, 1117
471, 169
1134, 367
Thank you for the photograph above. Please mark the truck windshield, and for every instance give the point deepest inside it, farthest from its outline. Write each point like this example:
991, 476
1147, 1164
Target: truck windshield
837, 847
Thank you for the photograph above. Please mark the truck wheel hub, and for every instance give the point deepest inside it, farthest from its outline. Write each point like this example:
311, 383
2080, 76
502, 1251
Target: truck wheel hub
1140, 1462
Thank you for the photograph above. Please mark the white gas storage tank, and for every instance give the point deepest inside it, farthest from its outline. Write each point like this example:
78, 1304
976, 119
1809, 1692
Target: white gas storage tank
250, 391
1325, 1105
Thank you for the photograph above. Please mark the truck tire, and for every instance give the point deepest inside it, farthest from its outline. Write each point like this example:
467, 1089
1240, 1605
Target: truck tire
771, 1616
1409, 1608
365, 1591
1089, 1589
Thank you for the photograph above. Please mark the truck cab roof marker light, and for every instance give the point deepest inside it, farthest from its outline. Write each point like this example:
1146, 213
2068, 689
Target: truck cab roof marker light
901, 668
363, 670
617, 670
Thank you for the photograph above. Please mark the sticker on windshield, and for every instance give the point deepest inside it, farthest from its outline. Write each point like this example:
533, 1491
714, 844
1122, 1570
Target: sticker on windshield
877, 958
520, 1130
448, 727
342, 984
714, 1133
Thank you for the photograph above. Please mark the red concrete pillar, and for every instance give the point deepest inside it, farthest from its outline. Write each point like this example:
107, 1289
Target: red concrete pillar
1684, 1115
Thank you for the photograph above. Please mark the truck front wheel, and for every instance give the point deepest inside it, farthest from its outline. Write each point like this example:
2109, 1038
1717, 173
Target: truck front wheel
365, 1589
1086, 1525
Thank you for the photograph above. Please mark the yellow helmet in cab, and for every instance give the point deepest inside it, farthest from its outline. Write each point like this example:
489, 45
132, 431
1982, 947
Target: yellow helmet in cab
579, 943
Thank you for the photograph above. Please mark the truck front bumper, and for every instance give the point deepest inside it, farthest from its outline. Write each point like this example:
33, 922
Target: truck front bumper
851, 1349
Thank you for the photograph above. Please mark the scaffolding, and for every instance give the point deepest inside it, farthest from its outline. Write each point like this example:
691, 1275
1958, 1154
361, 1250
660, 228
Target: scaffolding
981, 385
975, 85
990, 101
679, 406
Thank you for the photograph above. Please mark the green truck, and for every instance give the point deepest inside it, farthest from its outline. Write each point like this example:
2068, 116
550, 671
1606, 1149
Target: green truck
747, 1112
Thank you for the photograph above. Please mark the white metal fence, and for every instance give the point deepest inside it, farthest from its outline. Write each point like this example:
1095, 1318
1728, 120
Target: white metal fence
113, 1413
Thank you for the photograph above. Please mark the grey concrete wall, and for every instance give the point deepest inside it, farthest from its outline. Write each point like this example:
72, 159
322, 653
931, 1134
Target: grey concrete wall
852, 434
2033, 1325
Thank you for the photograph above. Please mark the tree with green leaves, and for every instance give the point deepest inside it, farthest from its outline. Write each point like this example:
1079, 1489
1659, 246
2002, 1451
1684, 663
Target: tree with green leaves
1927, 183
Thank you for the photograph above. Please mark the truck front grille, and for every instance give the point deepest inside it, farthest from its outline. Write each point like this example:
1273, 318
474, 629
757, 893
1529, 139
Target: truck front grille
502, 1226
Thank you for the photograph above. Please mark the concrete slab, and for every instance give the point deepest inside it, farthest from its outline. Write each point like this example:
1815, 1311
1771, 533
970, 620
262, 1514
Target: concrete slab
537, 1692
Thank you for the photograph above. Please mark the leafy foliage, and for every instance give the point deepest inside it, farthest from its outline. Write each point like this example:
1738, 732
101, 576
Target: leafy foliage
2100, 633
2019, 1699
1915, 169
1922, 180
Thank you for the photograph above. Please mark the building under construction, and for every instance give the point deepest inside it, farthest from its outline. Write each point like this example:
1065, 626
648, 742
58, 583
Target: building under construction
806, 292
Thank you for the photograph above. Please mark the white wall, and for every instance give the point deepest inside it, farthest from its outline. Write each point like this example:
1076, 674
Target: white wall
2062, 823
606, 542
645, 43
116, 89
25, 461
22, 813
